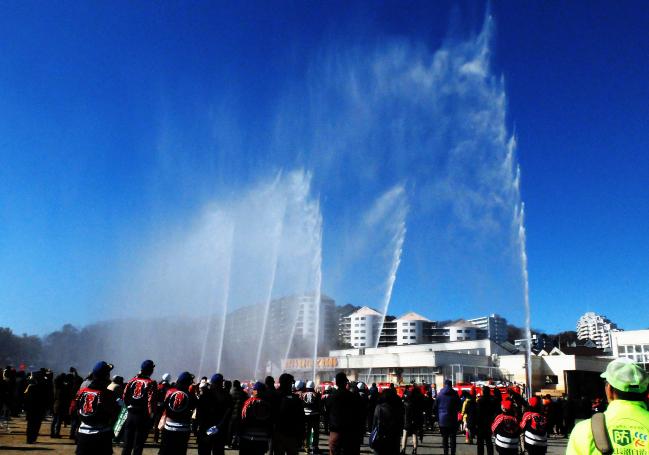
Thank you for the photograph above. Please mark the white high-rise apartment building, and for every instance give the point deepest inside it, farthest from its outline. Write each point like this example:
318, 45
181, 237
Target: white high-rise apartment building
495, 326
410, 328
597, 328
364, 327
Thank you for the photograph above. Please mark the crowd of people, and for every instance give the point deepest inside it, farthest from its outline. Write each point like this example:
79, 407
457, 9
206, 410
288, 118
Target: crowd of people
283, 418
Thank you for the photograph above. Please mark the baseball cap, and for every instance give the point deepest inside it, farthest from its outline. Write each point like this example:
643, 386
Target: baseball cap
259, 386
147, 365
185, 378
506, 405
626, 375
102, 368
216, 378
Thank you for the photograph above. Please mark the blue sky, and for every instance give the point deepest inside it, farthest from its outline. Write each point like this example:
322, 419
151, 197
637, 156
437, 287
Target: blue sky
118, 120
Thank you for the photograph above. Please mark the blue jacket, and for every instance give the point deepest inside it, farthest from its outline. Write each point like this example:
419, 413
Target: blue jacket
448, 406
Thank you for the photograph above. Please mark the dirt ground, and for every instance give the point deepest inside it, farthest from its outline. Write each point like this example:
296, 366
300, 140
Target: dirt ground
12, 440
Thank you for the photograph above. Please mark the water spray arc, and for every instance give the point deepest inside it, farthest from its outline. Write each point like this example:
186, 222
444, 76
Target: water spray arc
522, 239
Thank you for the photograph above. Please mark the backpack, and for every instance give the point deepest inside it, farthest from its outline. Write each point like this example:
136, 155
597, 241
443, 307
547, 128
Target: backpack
600, 433
378, 437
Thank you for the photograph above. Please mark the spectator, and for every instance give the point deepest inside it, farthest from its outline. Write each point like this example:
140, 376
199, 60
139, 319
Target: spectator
387, 422
345, 419
448, 407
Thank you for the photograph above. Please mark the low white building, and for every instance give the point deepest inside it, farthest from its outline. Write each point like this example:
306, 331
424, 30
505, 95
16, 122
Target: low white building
460, 361
632, 344
464, 331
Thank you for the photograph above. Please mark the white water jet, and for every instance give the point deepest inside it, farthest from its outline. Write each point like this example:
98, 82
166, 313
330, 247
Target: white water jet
317, 268
277, 240
522, 237
226, 300
392, 204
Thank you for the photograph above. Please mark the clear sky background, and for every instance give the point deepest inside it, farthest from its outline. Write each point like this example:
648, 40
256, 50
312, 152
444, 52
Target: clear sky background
118, 119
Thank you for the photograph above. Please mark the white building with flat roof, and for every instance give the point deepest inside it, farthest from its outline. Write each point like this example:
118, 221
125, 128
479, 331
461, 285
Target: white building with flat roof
632, 344
495, 326
464, 331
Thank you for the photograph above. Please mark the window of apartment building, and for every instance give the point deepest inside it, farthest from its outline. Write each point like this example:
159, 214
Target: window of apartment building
413, 323
362, 318
413, 338
405, 338
363, 331
405, 330
412, 330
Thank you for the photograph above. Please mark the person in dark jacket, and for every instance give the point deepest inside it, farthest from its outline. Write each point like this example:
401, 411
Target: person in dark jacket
140, 400
290, 423
213, 413
534, 427
311, 401
387, 422
448, 407
372, 401
239, 397
324, 407
485, 412
413, 418
60, 408
97, 409
256, 423
163, 388
506, 429
179, 404
76, 380
345, 419
35, 405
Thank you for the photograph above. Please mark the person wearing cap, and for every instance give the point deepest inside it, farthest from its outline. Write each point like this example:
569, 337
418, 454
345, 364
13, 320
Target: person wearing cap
178, 406
97, 409
140, 399
312, 415
506, 429
256, 423
534, 425
625, 426
213, 413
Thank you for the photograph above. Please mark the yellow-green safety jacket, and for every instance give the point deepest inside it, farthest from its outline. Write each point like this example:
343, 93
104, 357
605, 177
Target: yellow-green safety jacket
627, 423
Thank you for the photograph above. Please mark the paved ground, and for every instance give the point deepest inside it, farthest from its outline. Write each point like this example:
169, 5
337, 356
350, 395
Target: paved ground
13, 441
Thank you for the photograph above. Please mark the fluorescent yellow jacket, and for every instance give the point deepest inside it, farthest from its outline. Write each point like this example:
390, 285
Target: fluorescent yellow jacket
627, 423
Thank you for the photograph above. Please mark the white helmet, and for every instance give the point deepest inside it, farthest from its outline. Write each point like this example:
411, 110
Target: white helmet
166, 378
361, 386
299, 385
310, 385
